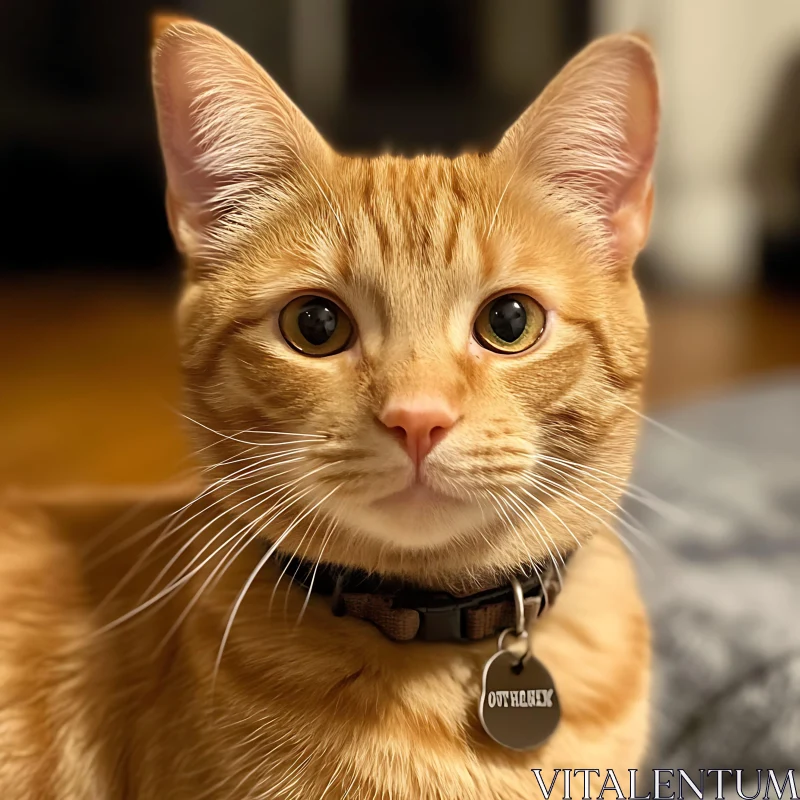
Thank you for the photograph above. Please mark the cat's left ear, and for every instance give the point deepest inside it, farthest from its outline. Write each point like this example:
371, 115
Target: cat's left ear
235, 146
587, 144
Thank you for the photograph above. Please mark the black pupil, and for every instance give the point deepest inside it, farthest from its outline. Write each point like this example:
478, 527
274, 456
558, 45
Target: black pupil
317, 320
508, 319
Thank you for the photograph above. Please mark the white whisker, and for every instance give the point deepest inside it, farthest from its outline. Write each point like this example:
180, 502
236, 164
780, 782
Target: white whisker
227, 560
173, 526
328, 534
243, 441
266, 494
499, 203
312, 528
513, 528
611, 500
523, 515
632, 490
632, 528
547, 508
254, 573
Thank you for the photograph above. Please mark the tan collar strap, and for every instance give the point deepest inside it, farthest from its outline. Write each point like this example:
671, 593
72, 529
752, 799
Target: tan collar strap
403, 612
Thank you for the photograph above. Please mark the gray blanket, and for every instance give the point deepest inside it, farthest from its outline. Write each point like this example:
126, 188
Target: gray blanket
722, 578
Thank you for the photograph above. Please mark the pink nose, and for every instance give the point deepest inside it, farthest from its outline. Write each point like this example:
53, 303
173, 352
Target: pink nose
420, 423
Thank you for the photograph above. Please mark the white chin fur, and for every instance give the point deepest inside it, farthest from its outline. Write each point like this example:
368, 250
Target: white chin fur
415, 526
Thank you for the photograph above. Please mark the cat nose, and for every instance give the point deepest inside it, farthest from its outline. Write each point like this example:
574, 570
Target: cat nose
420, 423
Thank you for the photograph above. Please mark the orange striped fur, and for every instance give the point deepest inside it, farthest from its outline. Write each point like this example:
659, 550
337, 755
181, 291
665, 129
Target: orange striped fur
108, 689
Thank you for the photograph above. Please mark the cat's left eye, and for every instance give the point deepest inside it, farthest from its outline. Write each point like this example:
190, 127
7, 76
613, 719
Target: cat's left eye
316, 326
510, 323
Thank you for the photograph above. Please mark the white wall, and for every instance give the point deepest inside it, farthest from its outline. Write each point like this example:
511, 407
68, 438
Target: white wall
721, 61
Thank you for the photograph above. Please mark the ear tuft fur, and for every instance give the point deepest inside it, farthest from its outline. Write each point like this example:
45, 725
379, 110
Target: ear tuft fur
161, 20
588, 143
235, 147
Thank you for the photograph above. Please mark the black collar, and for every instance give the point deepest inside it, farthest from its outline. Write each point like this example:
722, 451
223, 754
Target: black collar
404, 612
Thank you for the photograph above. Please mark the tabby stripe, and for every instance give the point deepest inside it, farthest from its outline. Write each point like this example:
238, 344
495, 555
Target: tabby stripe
614, 375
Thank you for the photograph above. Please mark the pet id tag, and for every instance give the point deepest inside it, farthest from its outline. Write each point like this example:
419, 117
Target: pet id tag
519, 705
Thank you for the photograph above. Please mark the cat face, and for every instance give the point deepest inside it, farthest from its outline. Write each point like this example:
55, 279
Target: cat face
414, 363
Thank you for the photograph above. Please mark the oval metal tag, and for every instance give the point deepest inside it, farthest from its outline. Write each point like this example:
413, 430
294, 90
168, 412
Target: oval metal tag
519, 705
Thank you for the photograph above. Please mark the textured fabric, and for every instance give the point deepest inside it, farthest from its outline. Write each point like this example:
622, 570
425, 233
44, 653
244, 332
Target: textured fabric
482, 622
400, 624
722, 579
403, 624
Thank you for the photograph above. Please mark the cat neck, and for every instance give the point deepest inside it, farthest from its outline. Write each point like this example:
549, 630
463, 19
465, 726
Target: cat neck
338, 685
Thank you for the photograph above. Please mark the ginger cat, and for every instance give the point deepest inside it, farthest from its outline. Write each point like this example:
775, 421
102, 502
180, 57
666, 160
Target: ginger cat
424, 368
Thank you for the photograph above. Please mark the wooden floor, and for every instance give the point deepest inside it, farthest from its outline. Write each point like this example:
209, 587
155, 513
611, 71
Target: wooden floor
89, 387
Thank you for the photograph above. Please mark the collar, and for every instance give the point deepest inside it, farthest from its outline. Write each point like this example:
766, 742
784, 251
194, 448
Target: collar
404, 612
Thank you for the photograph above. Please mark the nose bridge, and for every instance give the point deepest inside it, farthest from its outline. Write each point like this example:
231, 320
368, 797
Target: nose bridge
416, 355
420, 374
420, 385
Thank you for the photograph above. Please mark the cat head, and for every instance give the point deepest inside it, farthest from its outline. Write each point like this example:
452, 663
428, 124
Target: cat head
424, 365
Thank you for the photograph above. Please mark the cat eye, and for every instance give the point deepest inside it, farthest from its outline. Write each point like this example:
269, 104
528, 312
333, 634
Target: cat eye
316, 326
510, 323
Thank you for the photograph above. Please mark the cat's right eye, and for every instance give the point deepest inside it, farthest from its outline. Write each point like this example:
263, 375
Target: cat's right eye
510, 324
316, 326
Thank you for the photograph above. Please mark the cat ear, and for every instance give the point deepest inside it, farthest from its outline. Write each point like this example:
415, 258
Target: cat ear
234, 145
588, 143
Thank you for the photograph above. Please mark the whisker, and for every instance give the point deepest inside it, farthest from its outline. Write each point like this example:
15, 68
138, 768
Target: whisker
513, 528
632, 490
254, 573
175, 515
238, 460
500, 202
173, 526
269, 493
244, 441
611, 500
328, 534
327, 199
312, 526
228, 559
159, 596
541, 525
547, 508
632, 528
248, 500
556, 494
170, 518
233, 460
216, 444
480, 530
535, 530
682, 437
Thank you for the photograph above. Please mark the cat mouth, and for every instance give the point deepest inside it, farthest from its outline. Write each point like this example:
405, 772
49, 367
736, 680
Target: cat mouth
416, 494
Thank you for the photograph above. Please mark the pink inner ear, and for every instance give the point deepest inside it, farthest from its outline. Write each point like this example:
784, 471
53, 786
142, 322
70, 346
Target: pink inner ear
232, 141
192, 187
208, 124
633, 201
589, 142
610, 145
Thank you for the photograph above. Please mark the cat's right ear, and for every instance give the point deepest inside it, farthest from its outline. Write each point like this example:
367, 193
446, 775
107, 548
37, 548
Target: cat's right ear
234, 145
588, 144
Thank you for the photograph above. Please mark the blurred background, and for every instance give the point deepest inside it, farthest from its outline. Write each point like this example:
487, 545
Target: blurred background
88, 379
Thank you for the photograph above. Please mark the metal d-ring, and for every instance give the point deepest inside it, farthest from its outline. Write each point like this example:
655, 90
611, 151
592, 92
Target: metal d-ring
519, 607
552, 574
521, 637
519, 631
